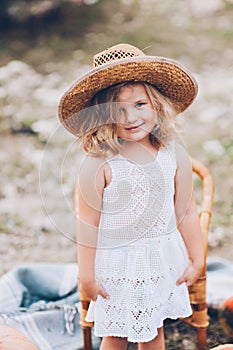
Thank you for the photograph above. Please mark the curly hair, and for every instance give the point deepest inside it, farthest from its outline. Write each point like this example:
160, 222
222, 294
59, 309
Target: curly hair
98, 126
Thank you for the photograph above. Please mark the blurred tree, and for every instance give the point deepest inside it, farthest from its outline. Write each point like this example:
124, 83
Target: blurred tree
21, 12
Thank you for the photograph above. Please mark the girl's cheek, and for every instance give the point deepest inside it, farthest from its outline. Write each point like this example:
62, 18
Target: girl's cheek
119, 120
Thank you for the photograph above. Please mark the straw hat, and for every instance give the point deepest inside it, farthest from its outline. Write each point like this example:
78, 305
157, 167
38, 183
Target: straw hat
122, 63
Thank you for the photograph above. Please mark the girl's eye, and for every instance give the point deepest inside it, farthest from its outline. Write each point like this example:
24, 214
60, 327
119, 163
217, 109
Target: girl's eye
140, 104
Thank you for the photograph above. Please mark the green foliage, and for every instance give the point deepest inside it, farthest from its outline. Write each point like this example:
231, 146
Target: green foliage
228, 145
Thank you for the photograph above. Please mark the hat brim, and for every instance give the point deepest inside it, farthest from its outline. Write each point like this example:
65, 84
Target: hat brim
169, 77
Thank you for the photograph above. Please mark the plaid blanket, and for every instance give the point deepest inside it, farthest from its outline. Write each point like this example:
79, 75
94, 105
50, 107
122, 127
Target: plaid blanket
219, 286
42, 301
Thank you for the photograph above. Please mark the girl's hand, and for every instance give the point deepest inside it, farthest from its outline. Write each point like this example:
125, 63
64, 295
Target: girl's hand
190, 276
92, 289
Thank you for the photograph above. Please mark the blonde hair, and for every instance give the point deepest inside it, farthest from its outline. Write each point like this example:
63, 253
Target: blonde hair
98, 128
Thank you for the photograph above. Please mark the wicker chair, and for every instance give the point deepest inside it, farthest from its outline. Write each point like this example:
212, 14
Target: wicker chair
199, 318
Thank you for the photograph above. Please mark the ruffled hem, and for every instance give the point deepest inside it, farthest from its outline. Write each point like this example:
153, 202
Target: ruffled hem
143, 340
127, 325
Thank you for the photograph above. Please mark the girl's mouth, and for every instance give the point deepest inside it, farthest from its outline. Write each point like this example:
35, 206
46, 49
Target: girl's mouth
134, 127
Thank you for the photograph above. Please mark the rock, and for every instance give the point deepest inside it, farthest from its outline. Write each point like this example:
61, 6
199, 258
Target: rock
223, 347
11, 339
216, 237
214, 147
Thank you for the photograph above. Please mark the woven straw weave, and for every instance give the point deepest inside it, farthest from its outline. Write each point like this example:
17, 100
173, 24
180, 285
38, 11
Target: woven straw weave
116, 53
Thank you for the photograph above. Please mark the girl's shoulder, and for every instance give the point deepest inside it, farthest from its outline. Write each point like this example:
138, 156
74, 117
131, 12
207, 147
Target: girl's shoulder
95, 170
92, 164
91, 169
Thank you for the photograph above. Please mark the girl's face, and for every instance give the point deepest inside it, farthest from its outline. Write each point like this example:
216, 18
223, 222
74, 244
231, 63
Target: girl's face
137, 117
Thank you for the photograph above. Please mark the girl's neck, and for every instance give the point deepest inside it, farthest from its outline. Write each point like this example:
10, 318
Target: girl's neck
138, 152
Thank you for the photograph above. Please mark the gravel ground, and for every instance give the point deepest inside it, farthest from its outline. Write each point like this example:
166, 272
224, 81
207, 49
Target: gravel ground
39, 161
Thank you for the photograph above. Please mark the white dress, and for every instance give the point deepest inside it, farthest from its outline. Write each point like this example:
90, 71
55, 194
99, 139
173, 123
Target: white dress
140, 253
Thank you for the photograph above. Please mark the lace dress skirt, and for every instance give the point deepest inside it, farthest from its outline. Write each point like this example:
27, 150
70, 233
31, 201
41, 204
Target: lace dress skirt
141, 282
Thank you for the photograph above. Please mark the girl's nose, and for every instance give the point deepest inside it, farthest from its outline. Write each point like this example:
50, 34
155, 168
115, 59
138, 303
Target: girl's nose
131, 116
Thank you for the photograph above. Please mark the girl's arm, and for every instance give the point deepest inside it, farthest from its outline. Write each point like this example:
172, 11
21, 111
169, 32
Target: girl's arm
91, 183
187, 217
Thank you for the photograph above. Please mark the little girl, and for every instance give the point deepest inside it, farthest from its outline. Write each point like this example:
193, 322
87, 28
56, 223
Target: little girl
139, 240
